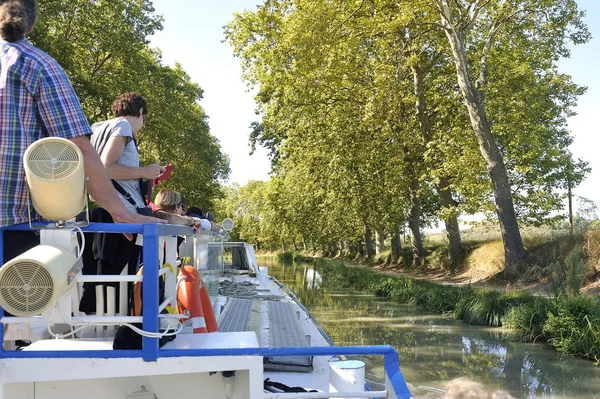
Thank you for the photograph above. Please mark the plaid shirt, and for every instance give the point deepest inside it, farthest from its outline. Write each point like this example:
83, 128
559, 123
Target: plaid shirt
36, 100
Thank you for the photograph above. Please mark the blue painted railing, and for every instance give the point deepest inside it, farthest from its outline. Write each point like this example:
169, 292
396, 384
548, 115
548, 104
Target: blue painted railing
150, 350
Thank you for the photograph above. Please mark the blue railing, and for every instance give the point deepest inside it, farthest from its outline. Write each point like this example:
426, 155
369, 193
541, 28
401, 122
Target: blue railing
150, 349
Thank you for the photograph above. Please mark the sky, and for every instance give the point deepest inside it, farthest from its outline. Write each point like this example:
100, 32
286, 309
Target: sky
193, 36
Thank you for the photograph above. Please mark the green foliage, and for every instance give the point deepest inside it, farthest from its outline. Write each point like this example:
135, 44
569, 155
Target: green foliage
574, 327
529, 318
103, 47
485, 309
568, 277
359, 108
385, 287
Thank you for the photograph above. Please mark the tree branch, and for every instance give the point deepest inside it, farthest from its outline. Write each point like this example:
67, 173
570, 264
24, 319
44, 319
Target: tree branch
483, 72
473, 15
98, 66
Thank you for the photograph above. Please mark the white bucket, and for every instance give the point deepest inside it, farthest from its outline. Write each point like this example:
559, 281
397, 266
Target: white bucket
346, 376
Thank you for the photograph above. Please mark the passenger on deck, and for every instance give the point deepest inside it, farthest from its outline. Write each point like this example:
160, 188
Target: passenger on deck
194, 212
35, 96
169, 205
114, 140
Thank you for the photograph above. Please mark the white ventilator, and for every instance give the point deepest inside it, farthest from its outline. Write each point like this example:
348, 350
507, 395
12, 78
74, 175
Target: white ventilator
55, 178
31, 283
35, 281
227, 224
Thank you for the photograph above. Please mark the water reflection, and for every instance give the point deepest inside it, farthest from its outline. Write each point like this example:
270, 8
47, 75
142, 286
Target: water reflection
434, 349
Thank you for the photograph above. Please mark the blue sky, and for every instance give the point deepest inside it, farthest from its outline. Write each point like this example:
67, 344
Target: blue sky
193, 35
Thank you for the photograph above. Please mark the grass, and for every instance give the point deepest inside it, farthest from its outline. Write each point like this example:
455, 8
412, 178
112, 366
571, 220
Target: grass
571, 324
574, 327
528, 319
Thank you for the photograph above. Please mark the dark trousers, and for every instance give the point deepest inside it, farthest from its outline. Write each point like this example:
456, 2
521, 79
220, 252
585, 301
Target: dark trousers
17, 242
106, 254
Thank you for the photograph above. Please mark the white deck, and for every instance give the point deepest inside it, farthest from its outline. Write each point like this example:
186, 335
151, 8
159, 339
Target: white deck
178, 377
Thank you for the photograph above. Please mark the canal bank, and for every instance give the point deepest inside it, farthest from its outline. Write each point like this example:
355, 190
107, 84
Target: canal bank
435, 348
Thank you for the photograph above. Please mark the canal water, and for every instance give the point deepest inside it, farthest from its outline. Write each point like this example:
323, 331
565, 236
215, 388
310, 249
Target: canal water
434, 349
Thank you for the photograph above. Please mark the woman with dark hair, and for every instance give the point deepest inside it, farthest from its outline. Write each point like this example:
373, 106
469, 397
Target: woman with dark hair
114, 140
37, 100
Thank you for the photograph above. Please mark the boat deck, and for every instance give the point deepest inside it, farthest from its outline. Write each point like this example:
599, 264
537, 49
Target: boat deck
264, 334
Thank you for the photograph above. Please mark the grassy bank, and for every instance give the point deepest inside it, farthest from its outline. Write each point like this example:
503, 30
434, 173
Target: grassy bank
569, 323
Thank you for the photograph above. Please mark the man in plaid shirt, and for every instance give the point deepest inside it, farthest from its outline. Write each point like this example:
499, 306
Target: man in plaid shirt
37, 100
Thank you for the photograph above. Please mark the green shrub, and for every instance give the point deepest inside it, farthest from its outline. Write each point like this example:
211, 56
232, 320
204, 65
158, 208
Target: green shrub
487, 308
574, 327
285, 256
439, 299
383, 288
568, 277
528, 318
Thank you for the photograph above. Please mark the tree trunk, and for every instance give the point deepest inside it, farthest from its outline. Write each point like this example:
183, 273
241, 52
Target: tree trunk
369, 242
455, 248
414, 225
360, 248
396, 248
304, 244
456, 252
570, 196
514, 252
334, 249
379, 241
294, 244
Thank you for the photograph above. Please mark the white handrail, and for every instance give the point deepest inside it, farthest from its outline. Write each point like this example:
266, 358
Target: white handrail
164, 304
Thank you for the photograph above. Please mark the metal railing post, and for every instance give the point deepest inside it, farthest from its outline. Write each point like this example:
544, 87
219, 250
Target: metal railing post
150, 291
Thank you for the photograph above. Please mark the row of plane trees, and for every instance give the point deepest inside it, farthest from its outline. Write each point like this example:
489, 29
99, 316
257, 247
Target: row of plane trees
380, 114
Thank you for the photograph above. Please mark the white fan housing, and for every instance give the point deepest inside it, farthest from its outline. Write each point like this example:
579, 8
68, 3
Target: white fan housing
55, 178
227, 224
32, 282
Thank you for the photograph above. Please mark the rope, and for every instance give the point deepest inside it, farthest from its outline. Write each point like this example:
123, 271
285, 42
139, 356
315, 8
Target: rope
245, 290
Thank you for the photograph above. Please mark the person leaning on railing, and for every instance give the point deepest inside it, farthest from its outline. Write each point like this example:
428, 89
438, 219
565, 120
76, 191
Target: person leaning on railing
169, 205
37, 100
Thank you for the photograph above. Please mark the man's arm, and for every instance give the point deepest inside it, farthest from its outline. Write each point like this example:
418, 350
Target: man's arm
100, 187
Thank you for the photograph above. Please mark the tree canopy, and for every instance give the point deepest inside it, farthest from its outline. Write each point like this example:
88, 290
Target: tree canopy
104, 48
381, 114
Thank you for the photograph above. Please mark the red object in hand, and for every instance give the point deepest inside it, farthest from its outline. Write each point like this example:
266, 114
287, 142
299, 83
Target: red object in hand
166, 174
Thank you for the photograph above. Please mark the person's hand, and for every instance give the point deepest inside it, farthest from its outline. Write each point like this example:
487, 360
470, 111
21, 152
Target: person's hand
134, 218
152, 171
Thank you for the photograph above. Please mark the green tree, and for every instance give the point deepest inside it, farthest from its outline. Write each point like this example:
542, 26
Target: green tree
472, 29
103, 47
